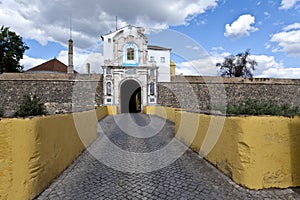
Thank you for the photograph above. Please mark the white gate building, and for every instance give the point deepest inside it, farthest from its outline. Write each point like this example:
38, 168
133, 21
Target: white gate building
132, 69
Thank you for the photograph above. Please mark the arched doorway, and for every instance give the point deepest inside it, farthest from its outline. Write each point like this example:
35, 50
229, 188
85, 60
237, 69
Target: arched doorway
130, 97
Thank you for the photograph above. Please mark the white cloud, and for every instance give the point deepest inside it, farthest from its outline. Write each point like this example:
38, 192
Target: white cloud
267, 66
46, 21
267, 14
288, 40
28, 62
217, 48
81, 58
196, 48
205, 66
241, 27
264, 64
290, 27
287, 4
291, 73
200, 67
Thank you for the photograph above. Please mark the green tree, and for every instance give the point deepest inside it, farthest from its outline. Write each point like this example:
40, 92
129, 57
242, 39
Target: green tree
240, 65
12, 49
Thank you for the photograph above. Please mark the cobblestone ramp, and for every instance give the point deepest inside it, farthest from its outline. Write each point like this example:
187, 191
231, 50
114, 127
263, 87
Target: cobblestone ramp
188, 177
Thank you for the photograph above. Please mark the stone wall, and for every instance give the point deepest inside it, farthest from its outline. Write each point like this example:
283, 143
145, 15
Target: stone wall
184, 92
60, 92
65, 93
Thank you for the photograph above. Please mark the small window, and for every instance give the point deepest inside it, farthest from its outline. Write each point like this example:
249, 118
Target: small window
152, 58
130, 54
108, 71
109, 40
162, 59
151, 88
108, 89
152, 72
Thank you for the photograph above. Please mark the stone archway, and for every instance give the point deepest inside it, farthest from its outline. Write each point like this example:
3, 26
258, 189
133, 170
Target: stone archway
130, 97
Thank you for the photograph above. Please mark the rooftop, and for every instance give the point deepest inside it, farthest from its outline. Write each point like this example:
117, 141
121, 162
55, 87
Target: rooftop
154, 47
51, 66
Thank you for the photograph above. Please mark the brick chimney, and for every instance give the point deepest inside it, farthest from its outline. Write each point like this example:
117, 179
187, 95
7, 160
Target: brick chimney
70, 56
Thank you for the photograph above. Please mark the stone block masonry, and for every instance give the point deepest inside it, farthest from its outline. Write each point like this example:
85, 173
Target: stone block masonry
63, 92
206, 89
57, 91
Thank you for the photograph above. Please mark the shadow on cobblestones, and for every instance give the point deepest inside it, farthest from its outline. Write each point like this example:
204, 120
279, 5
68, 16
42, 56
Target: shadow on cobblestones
189, 177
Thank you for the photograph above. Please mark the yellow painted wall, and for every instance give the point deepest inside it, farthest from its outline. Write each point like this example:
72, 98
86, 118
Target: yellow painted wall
112, 110
164, 112
255, 151
35, 151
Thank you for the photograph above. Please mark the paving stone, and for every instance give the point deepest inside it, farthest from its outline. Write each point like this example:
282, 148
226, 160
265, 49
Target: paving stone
188, 177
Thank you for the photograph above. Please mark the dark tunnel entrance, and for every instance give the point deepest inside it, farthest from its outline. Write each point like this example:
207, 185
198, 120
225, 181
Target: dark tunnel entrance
130, 97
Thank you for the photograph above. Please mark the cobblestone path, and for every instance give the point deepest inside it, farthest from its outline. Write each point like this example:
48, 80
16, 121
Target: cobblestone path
188, 177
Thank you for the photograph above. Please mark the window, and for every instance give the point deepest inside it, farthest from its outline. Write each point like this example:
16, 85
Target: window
130, 54
108, 89
109, 40
152, 58
162, 59
152, 72
108, 71
151, 88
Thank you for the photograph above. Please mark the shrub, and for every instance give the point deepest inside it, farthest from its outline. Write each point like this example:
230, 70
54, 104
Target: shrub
255, 107
31, 107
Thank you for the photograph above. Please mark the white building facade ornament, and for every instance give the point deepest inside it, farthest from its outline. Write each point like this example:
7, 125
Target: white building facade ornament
130, 76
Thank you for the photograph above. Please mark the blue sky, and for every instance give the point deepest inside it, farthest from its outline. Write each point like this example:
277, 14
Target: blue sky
201, 32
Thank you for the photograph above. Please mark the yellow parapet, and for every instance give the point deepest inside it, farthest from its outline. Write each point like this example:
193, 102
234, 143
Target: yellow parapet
35, 151
112, 110
161, 111
255, 151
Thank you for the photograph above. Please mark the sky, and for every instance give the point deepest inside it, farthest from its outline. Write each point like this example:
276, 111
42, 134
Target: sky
200, 32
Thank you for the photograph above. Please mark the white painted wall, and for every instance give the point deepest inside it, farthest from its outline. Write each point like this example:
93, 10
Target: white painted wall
164, 68
108, 47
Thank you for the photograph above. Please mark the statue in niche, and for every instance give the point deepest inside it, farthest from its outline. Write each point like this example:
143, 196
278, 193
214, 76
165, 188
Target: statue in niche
151, 88
108, 88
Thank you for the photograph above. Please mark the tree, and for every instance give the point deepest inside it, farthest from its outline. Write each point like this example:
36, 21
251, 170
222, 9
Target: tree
240, 65
12, 49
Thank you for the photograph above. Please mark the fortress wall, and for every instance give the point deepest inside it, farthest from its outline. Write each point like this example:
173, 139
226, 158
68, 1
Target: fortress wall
184, 92
57, 91
60, 92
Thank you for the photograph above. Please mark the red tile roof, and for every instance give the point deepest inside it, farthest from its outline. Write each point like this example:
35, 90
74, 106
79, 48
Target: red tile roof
51, 66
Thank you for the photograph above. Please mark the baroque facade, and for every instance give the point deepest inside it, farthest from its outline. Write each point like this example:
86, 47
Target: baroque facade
132, 69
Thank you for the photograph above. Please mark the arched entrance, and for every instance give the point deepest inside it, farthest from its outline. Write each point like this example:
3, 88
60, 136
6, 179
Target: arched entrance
130, 97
